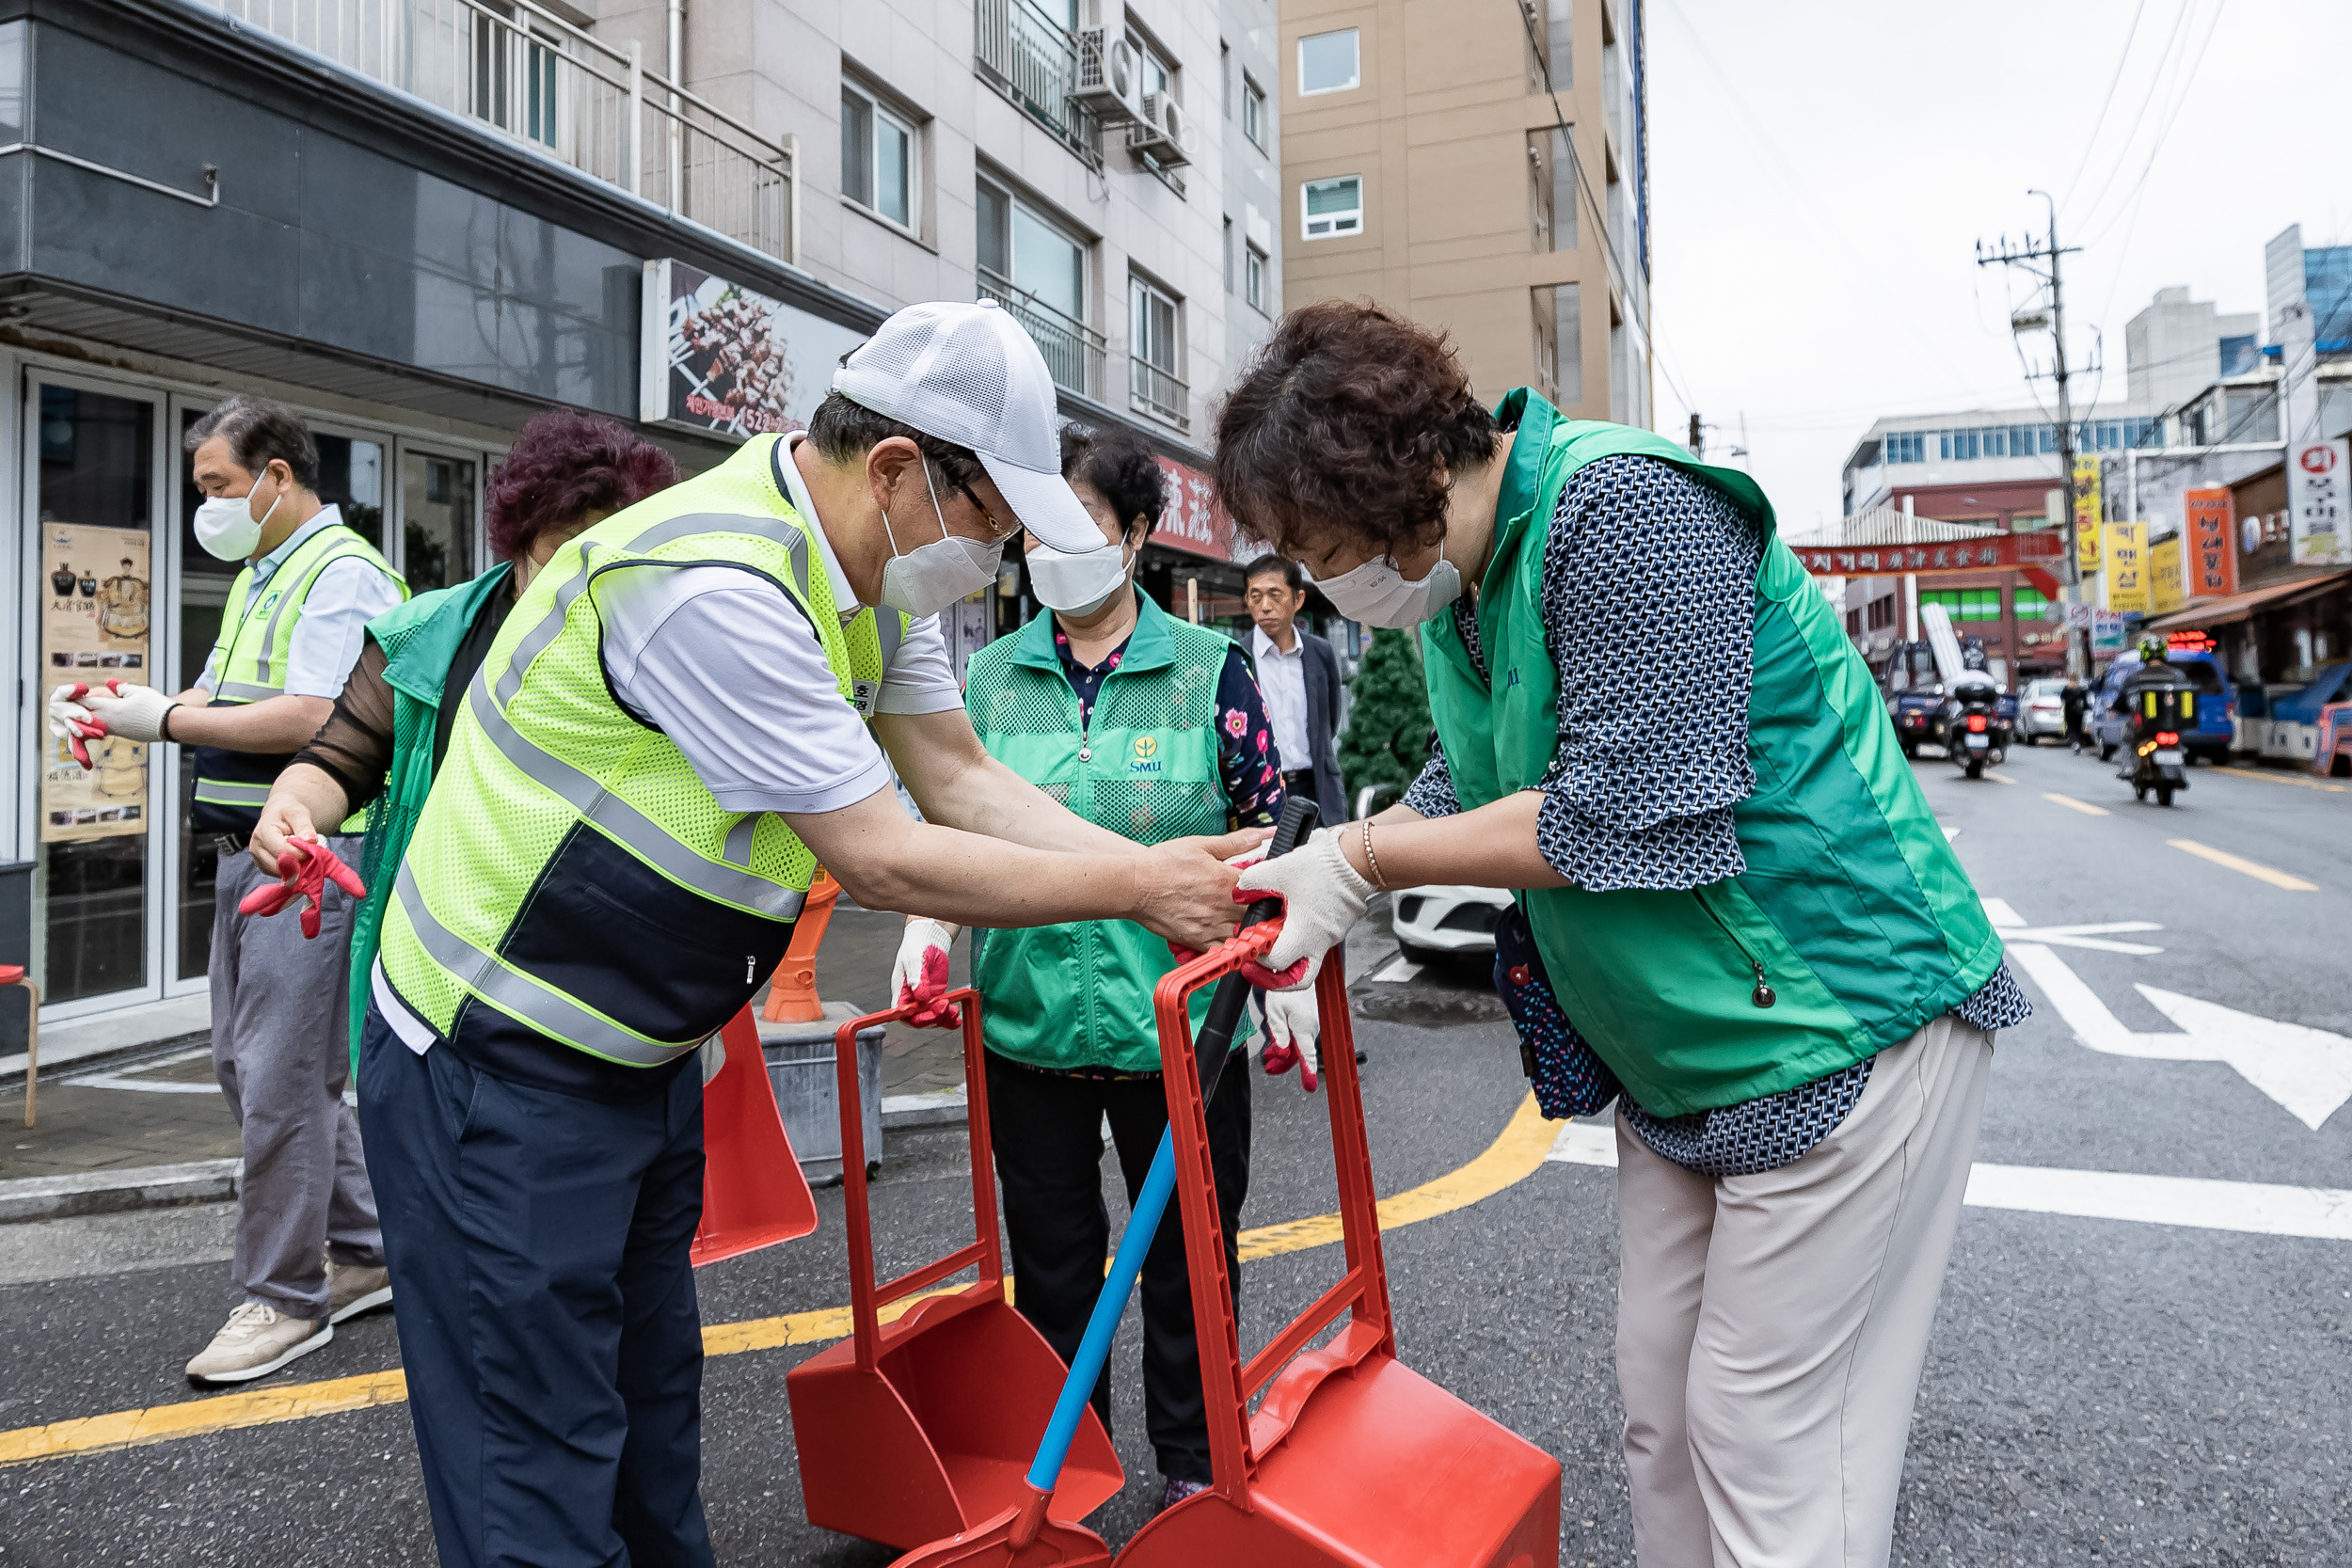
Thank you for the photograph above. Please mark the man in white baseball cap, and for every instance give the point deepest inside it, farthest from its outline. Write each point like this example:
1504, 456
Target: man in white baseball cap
694, 704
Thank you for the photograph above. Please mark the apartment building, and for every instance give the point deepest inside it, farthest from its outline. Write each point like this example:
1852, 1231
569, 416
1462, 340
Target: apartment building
1480, 165
423, 221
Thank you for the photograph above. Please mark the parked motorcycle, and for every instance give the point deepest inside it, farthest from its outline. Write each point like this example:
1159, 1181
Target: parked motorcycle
1975, 733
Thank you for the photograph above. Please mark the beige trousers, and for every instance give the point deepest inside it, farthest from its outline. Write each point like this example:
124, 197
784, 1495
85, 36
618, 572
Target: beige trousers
1770, 1328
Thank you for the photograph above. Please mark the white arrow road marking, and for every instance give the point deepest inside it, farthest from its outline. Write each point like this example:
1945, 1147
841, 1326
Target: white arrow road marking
2012, 927
2260, 1208
2306, 1071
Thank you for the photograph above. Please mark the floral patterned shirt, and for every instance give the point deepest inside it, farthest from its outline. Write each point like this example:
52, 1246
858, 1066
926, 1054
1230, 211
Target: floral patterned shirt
1245, 737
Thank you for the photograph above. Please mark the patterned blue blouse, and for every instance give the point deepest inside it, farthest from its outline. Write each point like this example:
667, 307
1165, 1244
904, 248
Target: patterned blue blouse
1649, 615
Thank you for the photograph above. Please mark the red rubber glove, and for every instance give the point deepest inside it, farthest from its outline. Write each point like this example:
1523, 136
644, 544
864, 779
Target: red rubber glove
73, 723
314, 866
932, 1010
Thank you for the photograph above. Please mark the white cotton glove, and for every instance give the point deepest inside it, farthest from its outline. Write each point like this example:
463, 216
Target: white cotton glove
918, 979
1322, 897
72, 723
133, 712
1294, 1025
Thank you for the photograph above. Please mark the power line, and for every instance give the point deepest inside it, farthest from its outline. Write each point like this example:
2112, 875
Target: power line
2155, 80
2172, 118
2099, 122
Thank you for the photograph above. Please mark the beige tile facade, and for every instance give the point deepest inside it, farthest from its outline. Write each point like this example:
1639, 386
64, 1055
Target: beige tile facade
1452, 132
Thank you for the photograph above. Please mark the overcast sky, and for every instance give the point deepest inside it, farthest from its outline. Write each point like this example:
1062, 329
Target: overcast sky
1821, 171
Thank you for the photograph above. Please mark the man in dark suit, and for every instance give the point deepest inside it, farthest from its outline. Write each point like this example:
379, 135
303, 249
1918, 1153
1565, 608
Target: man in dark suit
1299, 673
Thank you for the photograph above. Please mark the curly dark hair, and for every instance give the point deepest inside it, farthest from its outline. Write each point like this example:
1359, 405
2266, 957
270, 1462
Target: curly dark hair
1350, 417
1119, 465
564, 464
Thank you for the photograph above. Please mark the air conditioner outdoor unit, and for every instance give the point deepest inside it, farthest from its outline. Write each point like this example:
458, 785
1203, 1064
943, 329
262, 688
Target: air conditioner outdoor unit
1163, 130
1108, 80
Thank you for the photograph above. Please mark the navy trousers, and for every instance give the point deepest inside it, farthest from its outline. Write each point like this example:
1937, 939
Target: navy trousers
538, 1246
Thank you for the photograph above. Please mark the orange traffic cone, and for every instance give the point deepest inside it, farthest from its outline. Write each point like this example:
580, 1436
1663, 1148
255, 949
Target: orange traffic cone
792, 994
754, 1194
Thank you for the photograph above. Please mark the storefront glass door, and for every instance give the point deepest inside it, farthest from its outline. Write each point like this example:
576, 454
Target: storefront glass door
438, 520
93, 490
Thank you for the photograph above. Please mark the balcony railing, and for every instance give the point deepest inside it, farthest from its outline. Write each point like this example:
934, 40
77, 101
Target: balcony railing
1072, 350
1032, 59
534, 77
1154, 391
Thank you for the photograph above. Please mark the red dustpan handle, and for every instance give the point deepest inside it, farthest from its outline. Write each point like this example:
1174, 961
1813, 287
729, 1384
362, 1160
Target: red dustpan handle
754, 1194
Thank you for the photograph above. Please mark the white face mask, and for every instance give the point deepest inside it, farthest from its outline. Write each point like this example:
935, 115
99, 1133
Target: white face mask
226, 526
1077, 584
1377, 595
930, 577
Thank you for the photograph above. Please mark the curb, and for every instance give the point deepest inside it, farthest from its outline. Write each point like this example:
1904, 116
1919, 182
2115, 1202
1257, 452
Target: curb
111, 1191
909, 1113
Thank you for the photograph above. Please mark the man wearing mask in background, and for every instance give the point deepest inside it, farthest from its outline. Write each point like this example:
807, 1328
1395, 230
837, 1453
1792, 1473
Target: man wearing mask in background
290, 633
1299, 673
685, 713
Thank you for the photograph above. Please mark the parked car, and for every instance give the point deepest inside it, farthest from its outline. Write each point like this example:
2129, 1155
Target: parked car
2217, 709
2293, 733
2042, 710
2334, 755
1442, 920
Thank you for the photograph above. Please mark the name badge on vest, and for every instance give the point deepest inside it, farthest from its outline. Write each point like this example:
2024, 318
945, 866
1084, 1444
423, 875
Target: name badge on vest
862, 695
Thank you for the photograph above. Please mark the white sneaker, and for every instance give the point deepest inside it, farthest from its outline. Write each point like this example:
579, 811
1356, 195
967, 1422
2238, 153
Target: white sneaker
354, 1287
254, 1342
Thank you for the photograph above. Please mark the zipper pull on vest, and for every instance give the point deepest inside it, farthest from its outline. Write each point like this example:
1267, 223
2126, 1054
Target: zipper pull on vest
1764, 996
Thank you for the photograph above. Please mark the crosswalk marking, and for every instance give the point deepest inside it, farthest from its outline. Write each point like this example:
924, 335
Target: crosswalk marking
2254, 1208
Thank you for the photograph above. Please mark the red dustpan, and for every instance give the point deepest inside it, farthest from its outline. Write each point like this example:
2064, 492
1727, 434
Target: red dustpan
754, 1194
1351, 1458
921, 1429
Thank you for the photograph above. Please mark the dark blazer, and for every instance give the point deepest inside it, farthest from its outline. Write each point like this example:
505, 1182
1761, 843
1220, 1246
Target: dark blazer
1322, 674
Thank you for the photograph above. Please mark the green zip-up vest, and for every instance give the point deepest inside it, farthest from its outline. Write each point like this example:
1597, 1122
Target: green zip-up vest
256, 640
1144, 767
570, 878
1853, 909
419, 639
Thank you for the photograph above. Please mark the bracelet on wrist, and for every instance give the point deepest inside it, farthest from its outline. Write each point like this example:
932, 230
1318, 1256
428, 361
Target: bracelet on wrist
1372, 862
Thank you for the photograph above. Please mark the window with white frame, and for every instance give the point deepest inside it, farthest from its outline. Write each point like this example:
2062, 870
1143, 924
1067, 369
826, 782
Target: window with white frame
1254, 278
1253, 112
1036, 267
1329, 208
1329, 62
1155, 384
879, 155
1156, 72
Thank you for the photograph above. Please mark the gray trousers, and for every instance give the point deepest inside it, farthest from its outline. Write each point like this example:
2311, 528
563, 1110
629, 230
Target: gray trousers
1771, 1328
281, 1049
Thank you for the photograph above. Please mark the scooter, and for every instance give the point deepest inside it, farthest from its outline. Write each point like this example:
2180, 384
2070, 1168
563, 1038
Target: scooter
2159, 764
2159, 761
1976, 736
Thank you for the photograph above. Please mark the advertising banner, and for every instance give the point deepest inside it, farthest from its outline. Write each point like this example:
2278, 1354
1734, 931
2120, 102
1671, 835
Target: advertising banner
2206, 526
1975, 555
2164, 575
720, 359
97, 605
1195, 520
2318, 501
2087, 514
2110, 631
2126, 546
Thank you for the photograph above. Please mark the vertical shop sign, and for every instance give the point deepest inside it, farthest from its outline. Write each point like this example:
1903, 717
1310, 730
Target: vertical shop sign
2319, 503
2127, 567
2087, 514
97, 605
2212, 547
2164, 576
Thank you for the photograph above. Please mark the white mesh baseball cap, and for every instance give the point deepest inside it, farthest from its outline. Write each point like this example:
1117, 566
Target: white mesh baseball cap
971, 374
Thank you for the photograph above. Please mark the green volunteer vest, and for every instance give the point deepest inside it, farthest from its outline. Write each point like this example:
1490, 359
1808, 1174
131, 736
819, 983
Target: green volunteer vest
570, 879
250, 656
1853, 909
1144, 767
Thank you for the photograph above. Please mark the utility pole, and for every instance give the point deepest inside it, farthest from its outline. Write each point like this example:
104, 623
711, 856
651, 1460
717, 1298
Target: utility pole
1698, 437
2025, 254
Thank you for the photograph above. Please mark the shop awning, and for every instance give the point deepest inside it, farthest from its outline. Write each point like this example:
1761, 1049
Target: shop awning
2238, 607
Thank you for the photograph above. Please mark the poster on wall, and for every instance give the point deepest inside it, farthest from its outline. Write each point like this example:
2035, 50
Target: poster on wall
97, 605
2127, 567
2212, 561
2319, 502
722, 359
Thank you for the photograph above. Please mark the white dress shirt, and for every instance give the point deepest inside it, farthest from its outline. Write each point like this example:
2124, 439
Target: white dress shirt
1282, 676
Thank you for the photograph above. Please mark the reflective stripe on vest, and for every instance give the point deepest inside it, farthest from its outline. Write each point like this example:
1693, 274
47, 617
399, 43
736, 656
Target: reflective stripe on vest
550, 1011
300, 572
225, 792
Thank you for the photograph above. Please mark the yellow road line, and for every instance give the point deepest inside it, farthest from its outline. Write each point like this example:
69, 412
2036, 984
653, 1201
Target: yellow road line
1999, 778
1514, 1155
2252, 868
2073, 804
2268, 777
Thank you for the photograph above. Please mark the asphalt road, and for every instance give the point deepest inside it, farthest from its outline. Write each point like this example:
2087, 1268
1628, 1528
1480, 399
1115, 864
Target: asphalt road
2100, 1390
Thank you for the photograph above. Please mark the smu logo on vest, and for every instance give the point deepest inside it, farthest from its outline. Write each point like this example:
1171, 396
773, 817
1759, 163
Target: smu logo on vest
1146, 755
